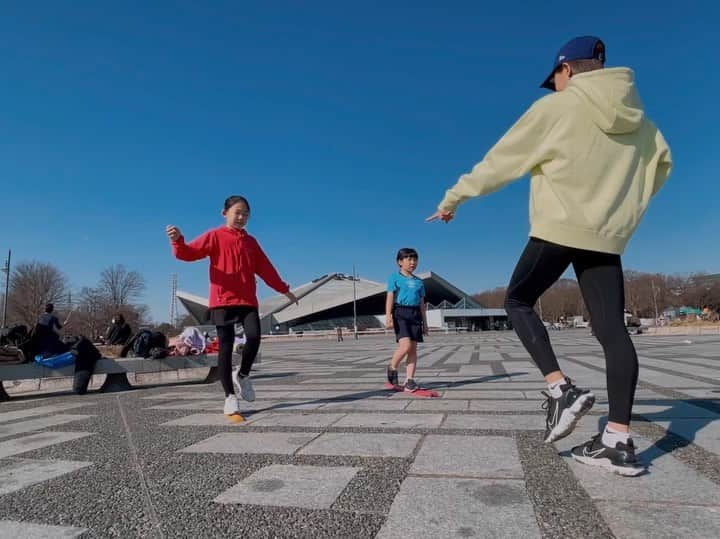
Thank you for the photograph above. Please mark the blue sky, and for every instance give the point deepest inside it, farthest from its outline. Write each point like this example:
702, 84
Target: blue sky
343, 123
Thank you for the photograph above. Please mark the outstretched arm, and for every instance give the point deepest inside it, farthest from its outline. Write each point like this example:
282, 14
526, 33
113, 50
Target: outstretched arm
664, 165
195, 250
520, 150
268, 273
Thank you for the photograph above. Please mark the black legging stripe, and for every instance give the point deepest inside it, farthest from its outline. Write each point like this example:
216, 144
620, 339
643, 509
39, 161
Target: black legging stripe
600, 277
226, 337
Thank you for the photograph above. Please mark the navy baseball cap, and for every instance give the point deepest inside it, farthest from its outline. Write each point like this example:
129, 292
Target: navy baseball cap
579, 48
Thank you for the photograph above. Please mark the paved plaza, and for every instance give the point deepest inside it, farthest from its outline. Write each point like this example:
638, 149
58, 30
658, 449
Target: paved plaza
326, 452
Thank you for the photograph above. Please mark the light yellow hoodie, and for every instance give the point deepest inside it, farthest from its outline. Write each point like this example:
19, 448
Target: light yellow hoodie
594, 158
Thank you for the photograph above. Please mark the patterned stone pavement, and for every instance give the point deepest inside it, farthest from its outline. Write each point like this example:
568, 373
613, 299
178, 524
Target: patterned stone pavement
326, 452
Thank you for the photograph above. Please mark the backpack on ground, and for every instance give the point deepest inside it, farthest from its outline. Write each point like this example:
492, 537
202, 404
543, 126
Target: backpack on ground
14, 336
146, 344
142, 343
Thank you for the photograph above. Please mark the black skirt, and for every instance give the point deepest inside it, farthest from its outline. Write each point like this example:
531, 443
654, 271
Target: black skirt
229, 316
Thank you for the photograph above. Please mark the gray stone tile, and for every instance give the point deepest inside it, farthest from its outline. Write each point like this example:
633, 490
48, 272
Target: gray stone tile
483, 394
308, 487
189, 405
672, 410
16, 446
669, 480
333, 384
275, 443
41, 411
437, 405
670, 380
638, 521
39, 424
279, 405
10, 529
702, 432
26, 472
461, 357
350, 392
296, 420
520, 366
500, 385
433, 507
217, 405
378, 405
468, 456
708, 393
475, 370
507, 422
185, 395
504, 406
490, 355
362, 445
202, 420
342, 381
683, 368
395, 421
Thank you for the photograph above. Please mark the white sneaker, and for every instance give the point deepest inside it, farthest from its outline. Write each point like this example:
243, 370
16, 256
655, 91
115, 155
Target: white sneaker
232, 406
243, 385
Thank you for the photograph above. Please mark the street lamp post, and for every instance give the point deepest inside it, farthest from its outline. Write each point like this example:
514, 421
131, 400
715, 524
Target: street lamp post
6, 269
654, 293
355, 331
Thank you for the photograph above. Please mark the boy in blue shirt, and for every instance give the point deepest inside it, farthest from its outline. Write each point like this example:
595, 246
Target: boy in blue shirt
405, 313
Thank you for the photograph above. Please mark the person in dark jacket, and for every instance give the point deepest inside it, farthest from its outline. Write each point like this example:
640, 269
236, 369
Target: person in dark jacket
119, 332
47, 336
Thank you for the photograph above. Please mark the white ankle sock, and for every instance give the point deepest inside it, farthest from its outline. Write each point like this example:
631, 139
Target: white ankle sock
554, 389
611, 437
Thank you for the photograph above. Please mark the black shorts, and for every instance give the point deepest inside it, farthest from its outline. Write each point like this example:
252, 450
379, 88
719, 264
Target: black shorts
408, 323
226, 316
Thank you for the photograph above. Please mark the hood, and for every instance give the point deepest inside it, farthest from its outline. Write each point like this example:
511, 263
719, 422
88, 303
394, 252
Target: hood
611, 97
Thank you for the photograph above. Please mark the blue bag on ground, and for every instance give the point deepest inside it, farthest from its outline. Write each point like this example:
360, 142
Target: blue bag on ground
55, 362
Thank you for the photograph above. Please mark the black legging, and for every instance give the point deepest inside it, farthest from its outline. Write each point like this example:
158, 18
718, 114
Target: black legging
601, 282
226, 337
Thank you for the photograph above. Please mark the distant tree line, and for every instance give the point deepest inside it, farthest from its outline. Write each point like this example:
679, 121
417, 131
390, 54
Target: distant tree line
644, 293
89, 309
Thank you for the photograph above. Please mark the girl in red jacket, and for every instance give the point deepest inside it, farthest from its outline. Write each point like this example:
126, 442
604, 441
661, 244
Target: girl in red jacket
235, 259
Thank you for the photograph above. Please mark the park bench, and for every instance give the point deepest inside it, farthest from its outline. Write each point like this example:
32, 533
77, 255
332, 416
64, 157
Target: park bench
115, 369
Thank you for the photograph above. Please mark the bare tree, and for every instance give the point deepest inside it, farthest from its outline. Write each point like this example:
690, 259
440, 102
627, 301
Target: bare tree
32, 285
94, 312
185, 321
492, 299
699, 292
91, 313
121, 286
645, 295
562, 299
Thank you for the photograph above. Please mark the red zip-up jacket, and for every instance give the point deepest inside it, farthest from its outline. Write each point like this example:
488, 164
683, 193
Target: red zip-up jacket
235, 258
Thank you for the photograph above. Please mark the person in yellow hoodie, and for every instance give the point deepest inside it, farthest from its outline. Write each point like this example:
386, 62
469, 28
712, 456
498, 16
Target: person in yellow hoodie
595, 162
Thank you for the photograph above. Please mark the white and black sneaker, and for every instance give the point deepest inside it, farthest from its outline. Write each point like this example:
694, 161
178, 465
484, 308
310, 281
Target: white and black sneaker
232, 406
620, 459
563, 413
243, 385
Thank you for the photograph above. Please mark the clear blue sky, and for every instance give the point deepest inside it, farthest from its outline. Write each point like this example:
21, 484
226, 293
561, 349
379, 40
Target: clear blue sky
342, 122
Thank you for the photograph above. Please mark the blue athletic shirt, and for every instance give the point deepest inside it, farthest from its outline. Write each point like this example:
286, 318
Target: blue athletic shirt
407, 291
